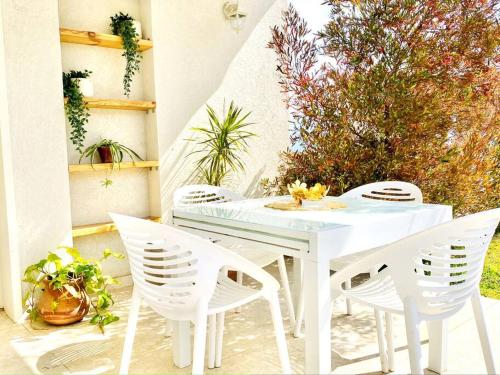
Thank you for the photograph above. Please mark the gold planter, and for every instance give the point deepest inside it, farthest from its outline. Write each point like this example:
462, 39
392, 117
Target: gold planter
59, 307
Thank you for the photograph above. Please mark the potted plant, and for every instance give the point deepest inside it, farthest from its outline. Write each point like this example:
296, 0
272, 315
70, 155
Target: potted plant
109, 152
130, 31
221, 143
76, 85
64, 286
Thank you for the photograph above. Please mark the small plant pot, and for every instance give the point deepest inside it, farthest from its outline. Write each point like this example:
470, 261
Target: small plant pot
58, 307
85, 85
105, 154
138, 28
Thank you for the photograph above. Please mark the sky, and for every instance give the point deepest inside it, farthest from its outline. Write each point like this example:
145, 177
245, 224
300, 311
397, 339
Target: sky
314, 13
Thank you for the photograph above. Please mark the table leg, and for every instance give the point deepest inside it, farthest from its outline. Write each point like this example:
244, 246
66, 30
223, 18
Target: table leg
297, 281
181, 343
438, 345
317, 317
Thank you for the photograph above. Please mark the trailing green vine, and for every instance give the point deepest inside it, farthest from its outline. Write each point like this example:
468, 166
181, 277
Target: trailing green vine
76, 111
122, 25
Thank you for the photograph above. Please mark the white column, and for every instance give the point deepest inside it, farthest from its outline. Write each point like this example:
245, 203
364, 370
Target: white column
34, 185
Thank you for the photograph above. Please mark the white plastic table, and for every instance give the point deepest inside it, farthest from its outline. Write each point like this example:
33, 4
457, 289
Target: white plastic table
316, 237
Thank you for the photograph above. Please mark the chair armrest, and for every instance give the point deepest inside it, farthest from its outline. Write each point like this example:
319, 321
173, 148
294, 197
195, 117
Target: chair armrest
377, 255
235, 261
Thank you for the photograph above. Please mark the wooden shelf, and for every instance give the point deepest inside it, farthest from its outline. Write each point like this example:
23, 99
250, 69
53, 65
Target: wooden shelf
96, 39
87, 230
125, 104
108, 166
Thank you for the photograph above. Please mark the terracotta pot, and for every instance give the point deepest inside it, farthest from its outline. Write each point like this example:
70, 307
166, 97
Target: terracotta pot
69, 309
105, 154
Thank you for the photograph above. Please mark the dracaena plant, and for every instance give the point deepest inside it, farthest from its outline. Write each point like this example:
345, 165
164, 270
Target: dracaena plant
59, 269
221, 144
76, 111
122, 25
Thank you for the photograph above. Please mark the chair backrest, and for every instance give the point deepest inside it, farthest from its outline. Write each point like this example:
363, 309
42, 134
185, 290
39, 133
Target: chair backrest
441, 267
171, 269
197, 194
394, 191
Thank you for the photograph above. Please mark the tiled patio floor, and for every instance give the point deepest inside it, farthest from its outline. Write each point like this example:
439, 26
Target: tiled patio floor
249, 345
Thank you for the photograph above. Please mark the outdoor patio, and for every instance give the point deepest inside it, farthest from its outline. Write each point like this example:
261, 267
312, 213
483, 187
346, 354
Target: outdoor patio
249, 345
238, 169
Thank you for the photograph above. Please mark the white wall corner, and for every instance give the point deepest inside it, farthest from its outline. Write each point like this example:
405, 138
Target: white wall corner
34, 201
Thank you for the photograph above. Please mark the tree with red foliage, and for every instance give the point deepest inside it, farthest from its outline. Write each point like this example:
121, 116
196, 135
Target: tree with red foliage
407, 90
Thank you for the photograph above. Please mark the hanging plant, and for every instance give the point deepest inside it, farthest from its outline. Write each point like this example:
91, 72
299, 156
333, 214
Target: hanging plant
123, 25
76, 111
110, 152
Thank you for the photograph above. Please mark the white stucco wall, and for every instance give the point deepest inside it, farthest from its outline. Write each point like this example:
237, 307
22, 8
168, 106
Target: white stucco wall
35, 193
199, 59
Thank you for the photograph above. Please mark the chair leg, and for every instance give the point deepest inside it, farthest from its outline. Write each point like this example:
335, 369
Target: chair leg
220, 335
413, 336
348, 302
286, 287
280, 334
200, 337
130, 335
239, 280
168, 328
389, 336
300, 314
381, 341
482, 329
212, 348
380, 333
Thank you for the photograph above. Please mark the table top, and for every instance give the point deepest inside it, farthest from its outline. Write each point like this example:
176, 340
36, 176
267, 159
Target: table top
359, 212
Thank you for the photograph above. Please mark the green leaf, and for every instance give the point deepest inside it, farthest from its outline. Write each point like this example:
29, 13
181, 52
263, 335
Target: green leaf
95, 319
75, 254
108, 280
106, 253
110, 319
26, 297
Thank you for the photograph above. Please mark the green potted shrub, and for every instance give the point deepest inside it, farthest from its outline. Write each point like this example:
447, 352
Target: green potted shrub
125, 26
221, 143
76, 111
64, 286
109, 152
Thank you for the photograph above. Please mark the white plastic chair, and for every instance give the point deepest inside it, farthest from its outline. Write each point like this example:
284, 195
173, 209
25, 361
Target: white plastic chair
390, 191
178, 275
430, 276
393, 191
197, 194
